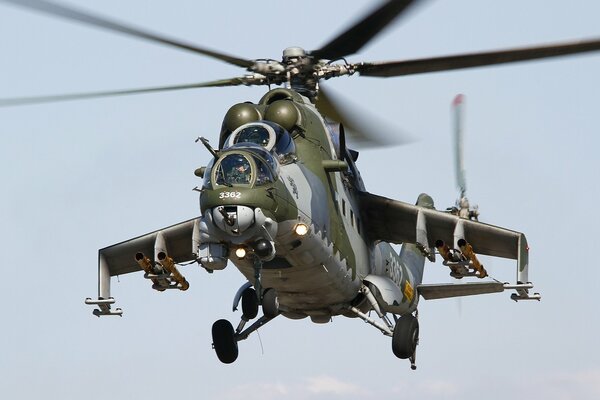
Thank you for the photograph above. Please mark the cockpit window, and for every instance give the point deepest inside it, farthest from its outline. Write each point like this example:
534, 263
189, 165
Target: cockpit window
234, 169
207, 174
265, 134
254, 134
265, 155
263, 173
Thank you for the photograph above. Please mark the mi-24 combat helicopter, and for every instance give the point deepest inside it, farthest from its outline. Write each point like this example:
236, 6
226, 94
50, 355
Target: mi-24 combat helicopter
283, 200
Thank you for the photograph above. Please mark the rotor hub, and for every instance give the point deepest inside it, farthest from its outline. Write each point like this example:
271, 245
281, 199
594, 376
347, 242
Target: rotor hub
293, 53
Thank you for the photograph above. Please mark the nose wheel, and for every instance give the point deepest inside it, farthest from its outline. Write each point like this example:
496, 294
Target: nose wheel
250, 304
270, 303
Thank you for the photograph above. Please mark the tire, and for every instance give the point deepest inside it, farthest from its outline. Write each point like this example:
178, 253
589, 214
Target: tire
224, 341
270, 303
249, 303
406, 337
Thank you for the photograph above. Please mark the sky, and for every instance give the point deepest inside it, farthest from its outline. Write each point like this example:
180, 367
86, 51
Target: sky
78, 176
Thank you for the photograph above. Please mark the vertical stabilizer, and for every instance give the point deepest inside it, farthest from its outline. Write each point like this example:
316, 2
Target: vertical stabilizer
395, 277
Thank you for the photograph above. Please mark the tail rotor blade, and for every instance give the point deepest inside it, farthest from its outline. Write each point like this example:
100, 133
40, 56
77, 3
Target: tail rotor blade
457, 108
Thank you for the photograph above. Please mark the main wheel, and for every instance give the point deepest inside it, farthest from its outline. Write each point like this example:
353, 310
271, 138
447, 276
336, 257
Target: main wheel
270, 303
249, 303
406, 337
224, 341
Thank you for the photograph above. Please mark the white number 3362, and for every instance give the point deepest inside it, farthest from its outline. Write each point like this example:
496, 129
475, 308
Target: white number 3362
230, 195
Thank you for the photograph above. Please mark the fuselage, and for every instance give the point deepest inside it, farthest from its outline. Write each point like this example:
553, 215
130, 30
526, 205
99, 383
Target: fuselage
252, 192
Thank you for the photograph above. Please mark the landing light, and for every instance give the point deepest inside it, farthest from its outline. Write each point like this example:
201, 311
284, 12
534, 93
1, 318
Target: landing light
301, 229
240, 252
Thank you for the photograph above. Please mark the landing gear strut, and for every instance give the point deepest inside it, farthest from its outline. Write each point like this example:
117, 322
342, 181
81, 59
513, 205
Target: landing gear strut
404, 333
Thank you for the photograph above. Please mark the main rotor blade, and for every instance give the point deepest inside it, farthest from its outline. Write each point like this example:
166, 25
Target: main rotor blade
362, 129
20, 101
447, 63
355, 37
105, 23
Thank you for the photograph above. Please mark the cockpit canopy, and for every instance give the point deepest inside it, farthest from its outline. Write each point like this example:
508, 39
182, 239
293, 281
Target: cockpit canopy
266, 134
233, 169
255, 133
250, 165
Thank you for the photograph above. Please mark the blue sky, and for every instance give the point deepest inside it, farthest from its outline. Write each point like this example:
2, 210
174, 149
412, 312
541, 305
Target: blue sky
78, 176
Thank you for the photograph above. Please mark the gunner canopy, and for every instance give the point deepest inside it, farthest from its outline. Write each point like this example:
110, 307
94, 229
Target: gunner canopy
243, 169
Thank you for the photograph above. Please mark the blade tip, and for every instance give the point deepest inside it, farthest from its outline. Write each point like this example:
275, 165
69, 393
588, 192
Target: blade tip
458, 100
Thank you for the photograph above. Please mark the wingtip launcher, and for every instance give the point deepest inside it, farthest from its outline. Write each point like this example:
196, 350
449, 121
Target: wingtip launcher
103, 307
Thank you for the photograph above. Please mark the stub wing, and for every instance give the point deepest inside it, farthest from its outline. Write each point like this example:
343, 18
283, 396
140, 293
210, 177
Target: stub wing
398, 222
120, 257
167, 247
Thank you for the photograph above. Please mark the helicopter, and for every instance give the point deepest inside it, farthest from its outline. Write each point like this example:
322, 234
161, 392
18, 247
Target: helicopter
282, 187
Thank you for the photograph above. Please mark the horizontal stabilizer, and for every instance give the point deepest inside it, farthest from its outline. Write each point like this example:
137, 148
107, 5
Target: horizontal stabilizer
446, 290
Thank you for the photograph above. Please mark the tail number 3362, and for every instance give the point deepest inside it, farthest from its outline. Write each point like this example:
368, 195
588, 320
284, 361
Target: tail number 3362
230, 195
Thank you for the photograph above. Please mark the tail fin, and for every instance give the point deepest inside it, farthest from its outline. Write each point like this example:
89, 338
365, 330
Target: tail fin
414, 260
394, 277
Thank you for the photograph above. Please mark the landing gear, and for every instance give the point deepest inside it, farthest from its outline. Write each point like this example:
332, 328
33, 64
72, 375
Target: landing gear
224, 341
406, 338
404, 332
270, 303
225, 338
249, 304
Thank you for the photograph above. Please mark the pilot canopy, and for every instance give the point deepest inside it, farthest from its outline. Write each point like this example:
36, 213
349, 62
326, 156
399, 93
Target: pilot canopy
269, 135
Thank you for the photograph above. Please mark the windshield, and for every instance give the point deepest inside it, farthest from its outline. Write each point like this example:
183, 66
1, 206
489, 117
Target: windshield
263, 175
233, 169
264, 134
254, 134
207, 174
